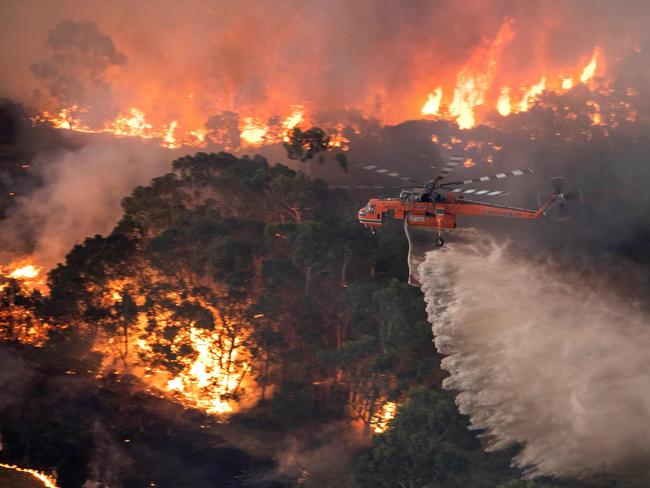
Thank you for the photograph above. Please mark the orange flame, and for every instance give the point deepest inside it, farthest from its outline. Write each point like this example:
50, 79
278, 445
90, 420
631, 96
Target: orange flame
48, 481
292, 121
465, 97
382, 418
133, 125
474, 79
589, 70
254, 133
531, 94
432, 105
205, 371
24, 270
296, 117
567, 83
28, 271
208, 376
168, 138
503, 104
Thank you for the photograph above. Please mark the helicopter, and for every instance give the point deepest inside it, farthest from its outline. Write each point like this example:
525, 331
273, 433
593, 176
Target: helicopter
436, 204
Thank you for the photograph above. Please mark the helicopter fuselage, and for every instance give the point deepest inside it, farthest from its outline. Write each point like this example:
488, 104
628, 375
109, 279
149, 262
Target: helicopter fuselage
439, 210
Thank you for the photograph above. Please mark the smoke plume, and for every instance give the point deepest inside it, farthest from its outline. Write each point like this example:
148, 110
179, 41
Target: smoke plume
80, 196
541, 357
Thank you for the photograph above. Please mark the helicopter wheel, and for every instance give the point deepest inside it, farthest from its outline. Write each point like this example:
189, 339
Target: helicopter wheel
373, 231
439, 241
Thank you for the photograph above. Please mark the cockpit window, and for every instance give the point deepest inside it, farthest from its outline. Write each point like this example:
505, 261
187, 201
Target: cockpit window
368, 209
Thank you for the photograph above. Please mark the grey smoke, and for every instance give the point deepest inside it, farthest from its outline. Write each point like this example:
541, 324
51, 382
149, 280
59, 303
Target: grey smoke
542, 358
318, 458
80, 196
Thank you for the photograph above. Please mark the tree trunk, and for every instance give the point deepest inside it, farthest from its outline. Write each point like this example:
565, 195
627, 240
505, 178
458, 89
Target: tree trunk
347, 255
382, 337
265, 372
125, 352
297, 213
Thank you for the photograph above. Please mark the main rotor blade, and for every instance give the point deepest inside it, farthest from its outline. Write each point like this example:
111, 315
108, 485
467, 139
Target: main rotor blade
476, 191
365, 187
387, 172
498, 176
449, 166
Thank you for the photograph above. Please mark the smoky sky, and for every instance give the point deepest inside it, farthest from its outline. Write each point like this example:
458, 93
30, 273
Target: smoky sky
75, 71
380, 56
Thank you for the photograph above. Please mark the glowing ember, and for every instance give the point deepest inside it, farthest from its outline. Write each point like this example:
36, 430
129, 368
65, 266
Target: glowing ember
503, 104
432, 105
383, 417
48, 481
197, 137
590, 69
595, 116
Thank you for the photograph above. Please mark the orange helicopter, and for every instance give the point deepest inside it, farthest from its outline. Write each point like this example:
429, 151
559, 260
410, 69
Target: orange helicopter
436, 204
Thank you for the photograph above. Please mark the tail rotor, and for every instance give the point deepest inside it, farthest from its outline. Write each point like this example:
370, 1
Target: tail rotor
566, 201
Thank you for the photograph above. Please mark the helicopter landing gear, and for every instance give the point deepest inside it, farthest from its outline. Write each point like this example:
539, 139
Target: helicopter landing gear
439, 241
373, 231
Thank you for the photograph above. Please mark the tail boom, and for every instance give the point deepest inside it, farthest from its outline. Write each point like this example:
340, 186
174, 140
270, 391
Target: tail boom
491, 210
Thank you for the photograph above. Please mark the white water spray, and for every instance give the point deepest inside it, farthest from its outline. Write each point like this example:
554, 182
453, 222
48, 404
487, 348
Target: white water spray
541, 359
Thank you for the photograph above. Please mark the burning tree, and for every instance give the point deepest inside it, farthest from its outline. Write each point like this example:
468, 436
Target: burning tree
221, 285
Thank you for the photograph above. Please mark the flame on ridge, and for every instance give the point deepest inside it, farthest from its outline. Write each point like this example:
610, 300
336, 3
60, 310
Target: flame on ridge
47, 480
24, 270
503, 104
589, 70
28, 271
475, 81
134, 123
474, 90
432, 105
531, 94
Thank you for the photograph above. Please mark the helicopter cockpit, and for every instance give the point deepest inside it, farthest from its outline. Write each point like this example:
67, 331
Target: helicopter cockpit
421, 196
367, 210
